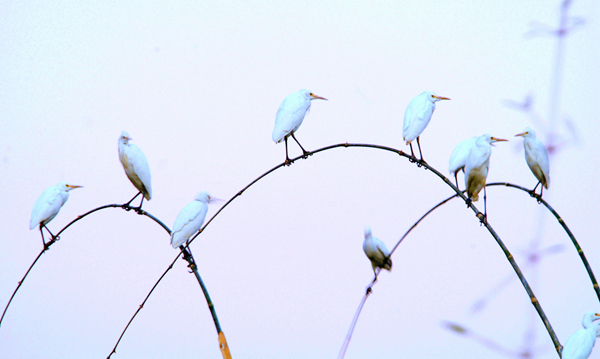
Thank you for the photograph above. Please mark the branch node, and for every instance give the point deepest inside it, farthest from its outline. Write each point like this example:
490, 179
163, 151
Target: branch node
534, 300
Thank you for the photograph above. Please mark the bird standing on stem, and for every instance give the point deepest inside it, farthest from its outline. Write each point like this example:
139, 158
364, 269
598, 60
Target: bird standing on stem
136, 167
48, 205
537, 158
417, 116
190, 219
376, 251
580, 344
459, 156
477, 166
290, 116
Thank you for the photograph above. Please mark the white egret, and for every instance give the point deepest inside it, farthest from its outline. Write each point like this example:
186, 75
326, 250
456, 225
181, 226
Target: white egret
459, 156
48, 205
417, 116
580, 344
376, 251
537, 158
477, 166
136, 167
190, 219
290, 116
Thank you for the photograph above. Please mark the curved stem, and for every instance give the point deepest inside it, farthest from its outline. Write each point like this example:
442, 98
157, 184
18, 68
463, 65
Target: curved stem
21, 282
565, 227
419, 163
56, 237
362, 303
142, 306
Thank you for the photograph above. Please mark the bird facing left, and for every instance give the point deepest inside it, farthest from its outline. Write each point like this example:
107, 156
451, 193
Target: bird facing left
48, 205
136, 168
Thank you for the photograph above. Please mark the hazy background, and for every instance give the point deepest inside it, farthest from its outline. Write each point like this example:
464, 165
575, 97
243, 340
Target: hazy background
197, 86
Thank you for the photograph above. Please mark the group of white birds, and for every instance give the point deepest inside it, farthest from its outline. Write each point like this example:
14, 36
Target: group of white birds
471, 156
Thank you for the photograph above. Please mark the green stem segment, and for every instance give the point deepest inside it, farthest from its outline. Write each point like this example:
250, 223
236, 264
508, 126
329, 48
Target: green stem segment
192, 265
187, 255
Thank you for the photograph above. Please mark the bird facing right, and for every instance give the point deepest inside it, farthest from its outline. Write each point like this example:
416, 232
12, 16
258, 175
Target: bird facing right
537, 158
376, 251
289, 117
417, 116
478, 164
458, 158
190, 219
580, 344
48, 205
477, 167
136, 167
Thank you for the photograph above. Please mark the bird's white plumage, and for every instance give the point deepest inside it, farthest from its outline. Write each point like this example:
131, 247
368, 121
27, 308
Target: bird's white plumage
458, 158
376, 251
477, 165
135, 165
418, 114
49, 204
291, 113
580, 344
536, 156
190, 219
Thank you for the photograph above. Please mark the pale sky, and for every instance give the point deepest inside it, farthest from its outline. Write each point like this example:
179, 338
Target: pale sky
197, 86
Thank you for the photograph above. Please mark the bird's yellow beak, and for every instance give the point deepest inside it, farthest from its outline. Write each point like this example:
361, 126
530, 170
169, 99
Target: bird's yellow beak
441, 98
521, 134
498, 139
72, 186
317, 97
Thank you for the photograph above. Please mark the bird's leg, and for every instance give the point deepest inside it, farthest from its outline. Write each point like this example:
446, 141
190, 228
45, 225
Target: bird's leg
139, 209
43, 240
420, 153
541, 193
287, 159
305, 153
456, 178
484, 218
412, 154
126, 205
532, 193
54, 238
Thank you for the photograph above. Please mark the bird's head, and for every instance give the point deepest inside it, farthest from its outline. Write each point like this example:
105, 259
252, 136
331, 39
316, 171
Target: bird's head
124, 138
491, 139
431, 96
311, 96
204, 197
64, 186
528, 133
368, 232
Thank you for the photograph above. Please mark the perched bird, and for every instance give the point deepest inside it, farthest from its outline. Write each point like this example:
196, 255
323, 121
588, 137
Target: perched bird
190, 219
417, 117
580, 344
136, 167
290, 115
48, 205
477, 166
376, 251
459, 156
537, 158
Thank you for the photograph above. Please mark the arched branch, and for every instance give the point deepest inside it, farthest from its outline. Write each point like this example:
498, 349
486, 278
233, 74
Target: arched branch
460, 194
